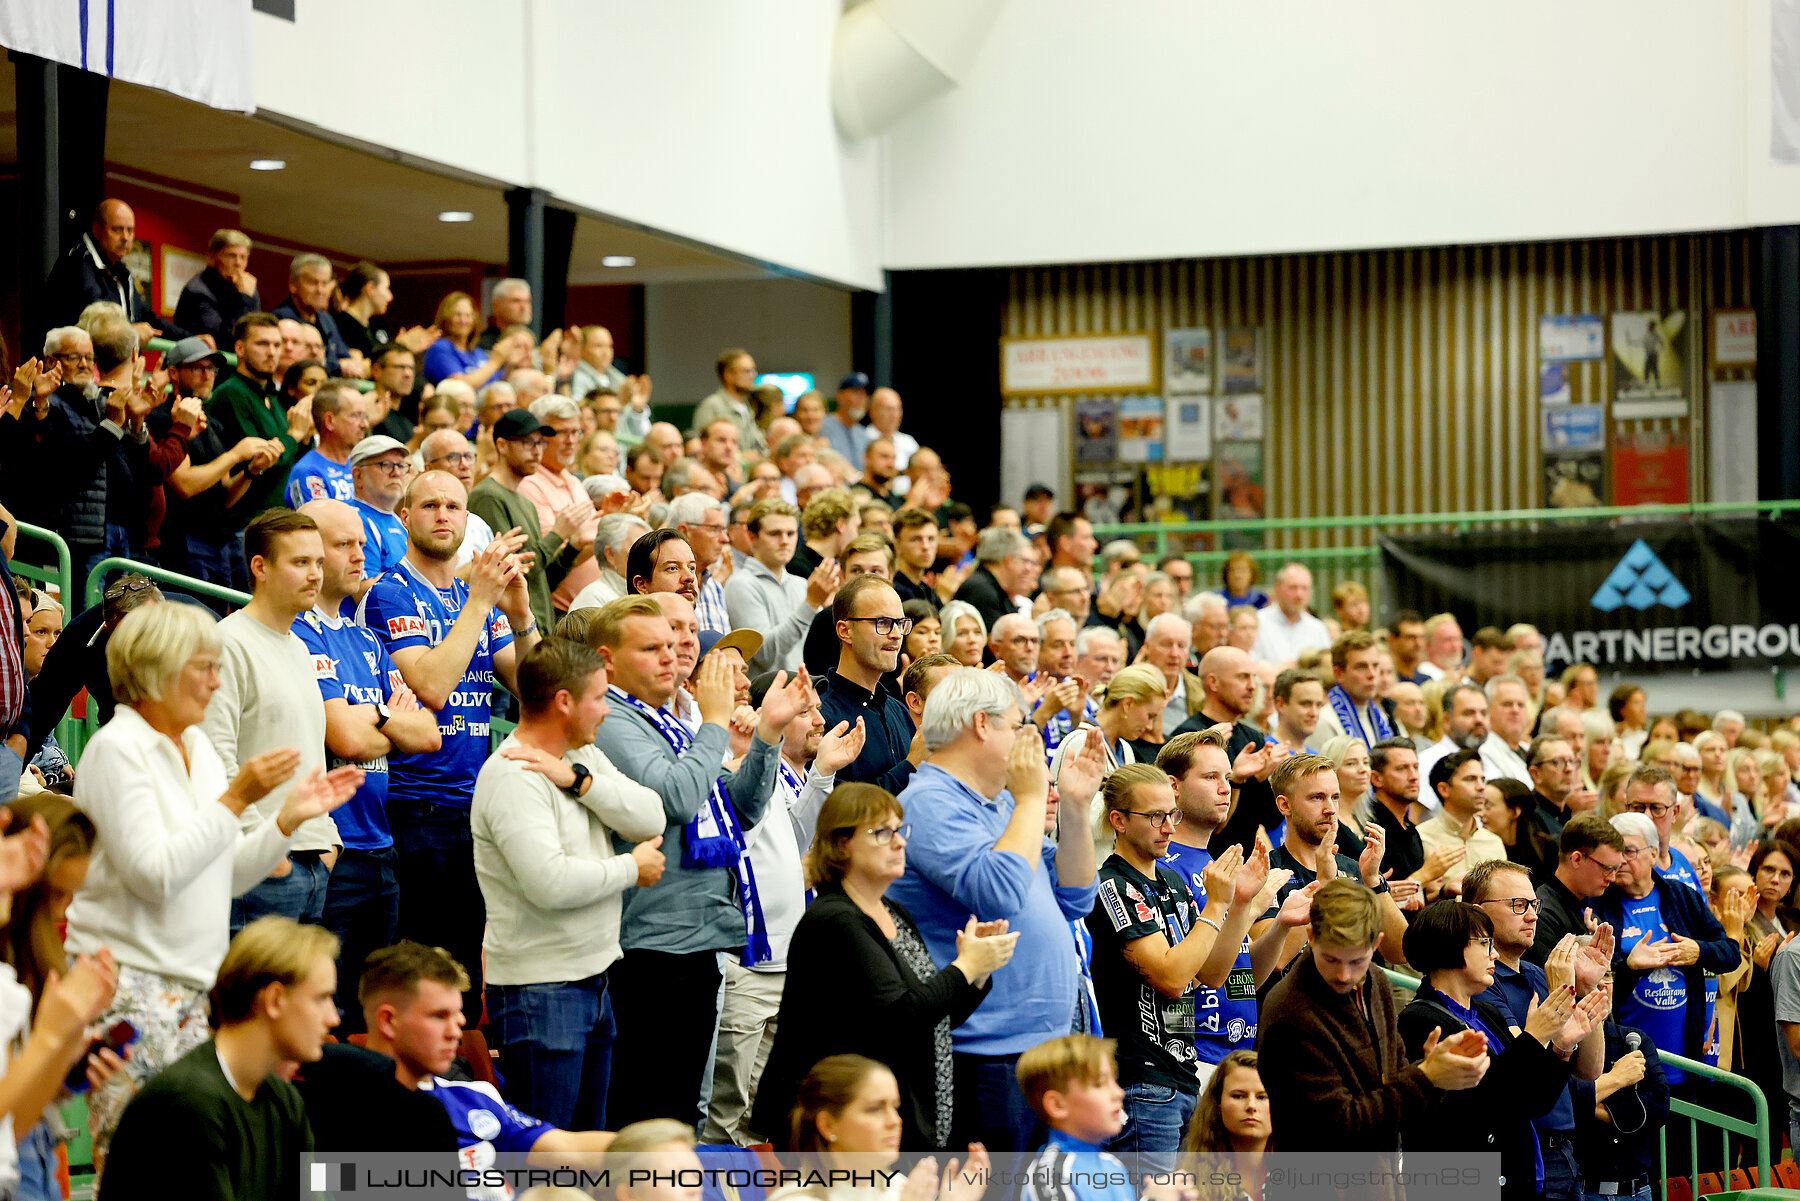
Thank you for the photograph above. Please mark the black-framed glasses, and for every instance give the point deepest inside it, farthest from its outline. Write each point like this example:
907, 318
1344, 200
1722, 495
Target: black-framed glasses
1519, 905
390, 466
1159, 817
1653, 808
1609, 870
886, 626
882, 835
1485, 945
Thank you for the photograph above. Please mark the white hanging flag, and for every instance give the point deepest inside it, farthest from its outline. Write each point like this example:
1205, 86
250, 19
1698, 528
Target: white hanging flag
200, 49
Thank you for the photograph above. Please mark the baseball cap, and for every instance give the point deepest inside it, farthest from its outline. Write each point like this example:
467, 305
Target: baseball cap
519, 423
745, 642
856, 379
374, 444
190, 350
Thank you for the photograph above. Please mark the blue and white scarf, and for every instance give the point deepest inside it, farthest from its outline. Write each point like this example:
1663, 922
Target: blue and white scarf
713, 838
1346, 715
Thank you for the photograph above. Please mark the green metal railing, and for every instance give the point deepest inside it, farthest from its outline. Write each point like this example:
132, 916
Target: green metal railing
68, 731
1697, 1116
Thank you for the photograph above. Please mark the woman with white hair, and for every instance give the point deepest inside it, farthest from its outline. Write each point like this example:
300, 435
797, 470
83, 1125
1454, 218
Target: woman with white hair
1713, 786
963, 631
172, 851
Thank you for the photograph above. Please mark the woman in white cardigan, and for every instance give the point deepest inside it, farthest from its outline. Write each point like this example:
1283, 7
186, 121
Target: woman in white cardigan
172, 851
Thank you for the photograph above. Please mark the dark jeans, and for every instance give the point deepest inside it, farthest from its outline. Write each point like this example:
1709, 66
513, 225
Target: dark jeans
362, 907
990, 1108
299, 895
1562, 1175
216, 563
556, 1048
440, 899
668, 1005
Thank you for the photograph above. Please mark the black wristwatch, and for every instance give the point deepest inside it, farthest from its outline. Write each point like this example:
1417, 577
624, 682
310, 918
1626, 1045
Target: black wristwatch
382, 713
582, 776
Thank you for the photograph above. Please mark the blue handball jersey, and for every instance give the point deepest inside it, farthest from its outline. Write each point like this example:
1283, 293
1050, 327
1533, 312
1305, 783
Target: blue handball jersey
1225, 1019
350, 664
406, 610
485, 1125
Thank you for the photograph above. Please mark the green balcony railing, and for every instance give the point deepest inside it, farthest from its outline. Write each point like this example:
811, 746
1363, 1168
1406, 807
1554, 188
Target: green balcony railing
60, 577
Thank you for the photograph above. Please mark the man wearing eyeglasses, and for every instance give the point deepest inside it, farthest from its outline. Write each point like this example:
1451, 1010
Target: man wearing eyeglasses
450, 451
519, 439
871, 627
1555, 780
378, 468
1651, 792
1502, 890
1590, 855
553, 488
701, 520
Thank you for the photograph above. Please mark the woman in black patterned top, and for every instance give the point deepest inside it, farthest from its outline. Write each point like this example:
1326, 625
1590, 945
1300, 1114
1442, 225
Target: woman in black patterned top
860, 980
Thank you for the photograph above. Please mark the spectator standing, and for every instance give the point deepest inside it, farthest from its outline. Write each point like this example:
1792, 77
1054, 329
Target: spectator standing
552, 883
457, 354
95, 269
979, 851
311, 282
1509, 713
885, 414
1620, 1117
732, 402
701, 520
1001, 573
213, 300
221, 1121
367, 292
829, 522
393, 369
449, 451
78, 660
451, 638
871, 625
766, 597
369, 711
613, 537
1166, 640
1352, 707
665, 987
1229, 678
378, 468
511, 304
845, 431
1465, 728
172, 849
1590, 857
341, 416
250, 405
553, 488
596, 368
1285, 628
268, 699
1457, 781
720, 455
1299, 702
519, 439
1329, 1046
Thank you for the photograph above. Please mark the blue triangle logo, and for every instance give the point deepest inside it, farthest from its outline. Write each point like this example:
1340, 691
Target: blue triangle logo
1642, 581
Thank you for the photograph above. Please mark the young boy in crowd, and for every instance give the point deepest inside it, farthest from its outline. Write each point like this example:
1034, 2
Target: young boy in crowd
1073, 1084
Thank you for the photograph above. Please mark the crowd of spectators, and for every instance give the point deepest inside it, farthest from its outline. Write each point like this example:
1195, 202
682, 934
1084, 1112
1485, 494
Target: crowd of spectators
828, 817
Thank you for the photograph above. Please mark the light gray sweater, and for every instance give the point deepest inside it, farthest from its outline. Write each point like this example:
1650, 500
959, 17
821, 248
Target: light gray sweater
268, 698
547, 867
775, 607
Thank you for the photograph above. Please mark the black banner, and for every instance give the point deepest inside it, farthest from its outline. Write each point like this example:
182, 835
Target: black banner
1636, 597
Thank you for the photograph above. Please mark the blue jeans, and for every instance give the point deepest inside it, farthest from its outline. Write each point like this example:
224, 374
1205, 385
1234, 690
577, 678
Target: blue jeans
990, 1108
362, 907
38, 1165
1563, 1180
12, 769
1156, 1116
555, 1043
299, 895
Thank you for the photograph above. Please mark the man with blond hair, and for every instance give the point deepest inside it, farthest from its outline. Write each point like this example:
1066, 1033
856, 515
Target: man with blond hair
828, 523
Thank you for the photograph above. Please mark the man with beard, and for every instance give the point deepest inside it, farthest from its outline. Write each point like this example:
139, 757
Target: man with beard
871, 627
519, 438
879, 470
1229, 680
250, 405
1465, 729
451, 637
1307, 795
267, 700
448, 450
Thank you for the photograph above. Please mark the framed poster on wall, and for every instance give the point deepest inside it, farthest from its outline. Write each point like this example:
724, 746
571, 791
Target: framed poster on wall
1187, 362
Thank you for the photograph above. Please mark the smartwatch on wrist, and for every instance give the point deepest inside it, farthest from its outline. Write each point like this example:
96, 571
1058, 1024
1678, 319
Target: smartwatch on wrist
382, 713
582, 776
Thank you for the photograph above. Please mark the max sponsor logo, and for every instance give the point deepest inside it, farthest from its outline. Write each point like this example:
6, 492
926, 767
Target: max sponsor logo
401, 627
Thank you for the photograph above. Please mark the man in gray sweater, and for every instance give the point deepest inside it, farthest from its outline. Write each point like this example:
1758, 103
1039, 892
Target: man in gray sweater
665, 987
547, 807
764, 596
268, 699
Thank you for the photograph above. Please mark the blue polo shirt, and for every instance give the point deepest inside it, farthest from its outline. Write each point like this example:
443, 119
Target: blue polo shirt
953, 872
315, 477
1512, 992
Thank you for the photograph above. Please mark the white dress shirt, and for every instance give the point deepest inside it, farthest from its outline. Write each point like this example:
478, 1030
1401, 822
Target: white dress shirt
1279, 640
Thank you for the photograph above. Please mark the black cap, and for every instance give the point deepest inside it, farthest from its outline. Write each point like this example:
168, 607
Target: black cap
519, 423
759, 687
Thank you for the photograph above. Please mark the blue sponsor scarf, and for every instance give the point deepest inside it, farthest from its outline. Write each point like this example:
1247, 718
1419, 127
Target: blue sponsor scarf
1346, 715
713, 838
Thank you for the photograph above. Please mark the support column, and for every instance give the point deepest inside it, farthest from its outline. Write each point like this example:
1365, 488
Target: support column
40, 173
1778, 363
539, 240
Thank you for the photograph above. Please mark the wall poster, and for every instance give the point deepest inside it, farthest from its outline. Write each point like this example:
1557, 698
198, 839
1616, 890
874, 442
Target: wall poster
1650, 359
1650, 465
1238, 418
1141, 429
1242, 355
1079, 363
1187, 362
1096, 431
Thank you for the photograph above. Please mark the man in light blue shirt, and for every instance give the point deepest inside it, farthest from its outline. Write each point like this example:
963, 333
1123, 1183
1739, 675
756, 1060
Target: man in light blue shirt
978, 809
341, 416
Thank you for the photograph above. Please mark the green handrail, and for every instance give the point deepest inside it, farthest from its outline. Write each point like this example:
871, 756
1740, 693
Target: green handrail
96, 589
1695, 1114
1382, 520
69, 732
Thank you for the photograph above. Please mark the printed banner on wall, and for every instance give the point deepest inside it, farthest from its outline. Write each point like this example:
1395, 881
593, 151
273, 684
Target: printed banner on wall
1570, 337
199, 49
1141, 429
1650, 465
1649, 356
1081, 363
1641, 599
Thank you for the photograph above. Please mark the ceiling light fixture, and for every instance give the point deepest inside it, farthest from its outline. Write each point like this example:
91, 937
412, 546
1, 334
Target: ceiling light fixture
455, 216
618, 260
268, 164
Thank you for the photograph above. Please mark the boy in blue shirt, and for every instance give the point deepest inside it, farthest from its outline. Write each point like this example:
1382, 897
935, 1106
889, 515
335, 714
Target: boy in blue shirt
1073, 1086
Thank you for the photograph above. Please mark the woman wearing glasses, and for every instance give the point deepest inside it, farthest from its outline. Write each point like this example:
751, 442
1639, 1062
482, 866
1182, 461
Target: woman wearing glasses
859, 979
1453, 944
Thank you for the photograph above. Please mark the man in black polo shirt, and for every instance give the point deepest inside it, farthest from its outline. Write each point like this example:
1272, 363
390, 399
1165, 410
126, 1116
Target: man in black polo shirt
871, 627
1229, 679
1394, 780
1589, 857
1556, 793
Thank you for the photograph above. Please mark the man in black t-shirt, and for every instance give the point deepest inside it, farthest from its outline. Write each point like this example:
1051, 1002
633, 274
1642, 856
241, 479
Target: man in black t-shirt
1230, 682
1151, 943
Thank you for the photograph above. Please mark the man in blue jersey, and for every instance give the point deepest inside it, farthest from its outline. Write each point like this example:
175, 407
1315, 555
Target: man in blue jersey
1224, 1017
378, 466
369, 711
412, 1001
341, 416
450, 640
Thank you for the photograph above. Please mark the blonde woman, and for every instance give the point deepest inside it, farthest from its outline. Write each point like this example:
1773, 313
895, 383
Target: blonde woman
1351, 758
1749, 802
1776, 777
1611, 787
1714, 785
1434, 707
